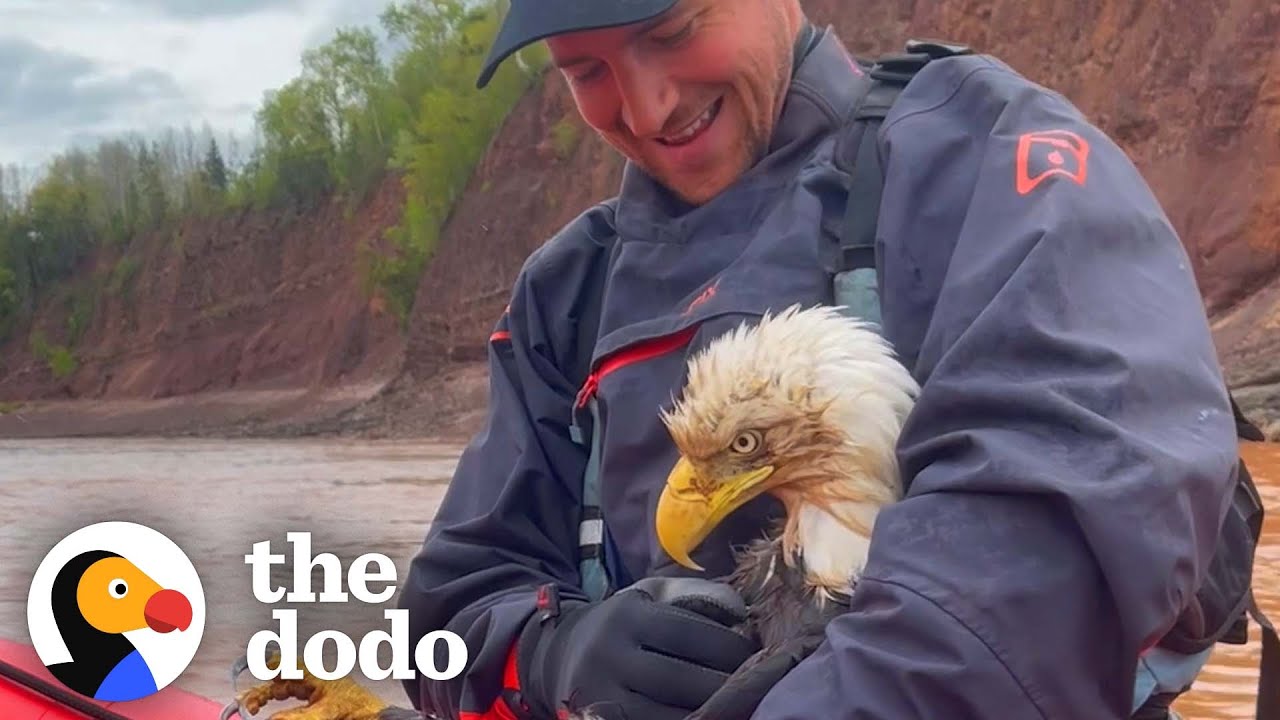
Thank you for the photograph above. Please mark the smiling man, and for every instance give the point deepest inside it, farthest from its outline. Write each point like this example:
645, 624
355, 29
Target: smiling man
1067, 463
691, 96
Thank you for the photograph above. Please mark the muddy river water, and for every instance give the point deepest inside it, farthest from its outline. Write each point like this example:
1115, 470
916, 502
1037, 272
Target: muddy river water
216, 498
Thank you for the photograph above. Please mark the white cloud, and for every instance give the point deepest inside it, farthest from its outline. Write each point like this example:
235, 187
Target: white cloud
103, 67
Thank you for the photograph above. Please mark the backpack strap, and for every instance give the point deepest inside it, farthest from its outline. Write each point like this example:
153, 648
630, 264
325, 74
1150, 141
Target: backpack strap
855, 287
1268, 702
1268, 706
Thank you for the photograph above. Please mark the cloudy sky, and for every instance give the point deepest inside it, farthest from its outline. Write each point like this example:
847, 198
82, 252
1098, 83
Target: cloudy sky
73, 71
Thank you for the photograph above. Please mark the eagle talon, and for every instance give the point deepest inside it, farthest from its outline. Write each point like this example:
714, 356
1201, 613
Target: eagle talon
342, 699
236, 707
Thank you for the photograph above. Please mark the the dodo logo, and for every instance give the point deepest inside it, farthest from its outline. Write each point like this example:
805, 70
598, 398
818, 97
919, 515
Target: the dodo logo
116, 611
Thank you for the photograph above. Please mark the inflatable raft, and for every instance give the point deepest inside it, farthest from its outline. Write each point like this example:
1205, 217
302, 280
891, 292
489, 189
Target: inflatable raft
28, 691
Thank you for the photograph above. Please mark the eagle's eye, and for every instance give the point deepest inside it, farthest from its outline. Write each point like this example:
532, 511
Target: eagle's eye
746, 442
118, 588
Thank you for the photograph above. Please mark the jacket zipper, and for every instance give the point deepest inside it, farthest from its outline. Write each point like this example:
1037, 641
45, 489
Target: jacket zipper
631, 354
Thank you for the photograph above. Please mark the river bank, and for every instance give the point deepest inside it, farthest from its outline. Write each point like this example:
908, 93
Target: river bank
450, 405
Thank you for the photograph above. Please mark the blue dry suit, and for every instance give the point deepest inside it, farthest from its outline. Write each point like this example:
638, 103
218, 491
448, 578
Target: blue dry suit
1069, 461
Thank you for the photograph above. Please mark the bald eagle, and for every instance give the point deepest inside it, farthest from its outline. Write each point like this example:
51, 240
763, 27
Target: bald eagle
807, 406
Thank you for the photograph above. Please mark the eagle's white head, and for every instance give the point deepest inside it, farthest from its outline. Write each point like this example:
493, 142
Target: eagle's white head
806, 405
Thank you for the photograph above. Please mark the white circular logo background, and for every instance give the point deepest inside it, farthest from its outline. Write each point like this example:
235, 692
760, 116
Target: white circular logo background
167, 654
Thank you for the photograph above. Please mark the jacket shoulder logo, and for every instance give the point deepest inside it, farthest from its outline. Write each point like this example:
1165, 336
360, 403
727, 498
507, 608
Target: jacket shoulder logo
1046, 153
703, 297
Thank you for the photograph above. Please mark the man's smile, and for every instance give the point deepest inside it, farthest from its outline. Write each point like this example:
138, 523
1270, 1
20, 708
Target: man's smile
691, 131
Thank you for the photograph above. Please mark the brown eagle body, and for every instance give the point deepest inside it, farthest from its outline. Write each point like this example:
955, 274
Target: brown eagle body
781, 604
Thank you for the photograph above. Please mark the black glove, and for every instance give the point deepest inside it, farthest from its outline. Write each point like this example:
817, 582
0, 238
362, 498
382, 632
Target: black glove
738, 698
653, 651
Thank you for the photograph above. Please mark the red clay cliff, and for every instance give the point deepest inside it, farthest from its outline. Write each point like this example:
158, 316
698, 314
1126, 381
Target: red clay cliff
271, 302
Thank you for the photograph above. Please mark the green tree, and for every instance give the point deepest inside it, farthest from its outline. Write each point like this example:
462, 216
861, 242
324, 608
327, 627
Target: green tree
446, 42
297, 147
153, 201
215, 170
10, 300
7, 192
59, 231
132, 217
115, 166
353, 88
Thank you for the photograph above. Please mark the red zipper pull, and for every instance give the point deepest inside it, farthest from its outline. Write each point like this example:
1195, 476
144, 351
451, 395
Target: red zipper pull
588, 390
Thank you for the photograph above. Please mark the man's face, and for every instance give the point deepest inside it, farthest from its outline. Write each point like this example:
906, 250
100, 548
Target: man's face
691, 96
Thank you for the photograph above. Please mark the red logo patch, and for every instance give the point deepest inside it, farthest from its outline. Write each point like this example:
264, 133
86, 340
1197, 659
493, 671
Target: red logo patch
1043, 154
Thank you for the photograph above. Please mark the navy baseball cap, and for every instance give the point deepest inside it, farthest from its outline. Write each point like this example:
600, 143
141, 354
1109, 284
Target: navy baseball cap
531, 20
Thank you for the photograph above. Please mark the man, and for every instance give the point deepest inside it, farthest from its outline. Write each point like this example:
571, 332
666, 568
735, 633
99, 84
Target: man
1068, 460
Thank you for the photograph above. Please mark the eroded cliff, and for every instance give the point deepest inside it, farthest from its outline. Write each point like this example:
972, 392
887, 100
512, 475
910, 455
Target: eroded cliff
1193, 97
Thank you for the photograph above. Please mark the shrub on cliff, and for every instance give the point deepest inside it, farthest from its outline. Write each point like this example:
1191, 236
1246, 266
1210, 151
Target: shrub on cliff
9, 301
61, 361
453, 122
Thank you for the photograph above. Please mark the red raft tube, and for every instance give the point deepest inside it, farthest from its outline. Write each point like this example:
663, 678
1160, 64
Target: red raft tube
28, 691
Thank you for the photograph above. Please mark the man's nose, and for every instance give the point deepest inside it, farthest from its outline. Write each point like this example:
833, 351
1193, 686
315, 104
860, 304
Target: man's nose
649, 96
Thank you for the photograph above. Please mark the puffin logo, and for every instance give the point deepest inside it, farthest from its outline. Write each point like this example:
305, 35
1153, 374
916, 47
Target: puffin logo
116, 611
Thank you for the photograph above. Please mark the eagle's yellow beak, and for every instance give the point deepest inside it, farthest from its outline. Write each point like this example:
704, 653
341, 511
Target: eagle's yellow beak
686, 515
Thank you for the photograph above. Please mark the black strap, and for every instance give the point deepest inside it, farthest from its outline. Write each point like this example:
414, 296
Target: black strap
889, 75
1268, 702
1245, 427
1155, 708
806, 40
70, 699
1268, 707
862, 211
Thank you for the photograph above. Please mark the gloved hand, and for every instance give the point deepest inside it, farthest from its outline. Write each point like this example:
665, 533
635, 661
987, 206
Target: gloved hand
742, 693
653, 651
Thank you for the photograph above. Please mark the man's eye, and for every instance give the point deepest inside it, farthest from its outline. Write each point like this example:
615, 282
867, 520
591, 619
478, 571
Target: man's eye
589, 74
672, 39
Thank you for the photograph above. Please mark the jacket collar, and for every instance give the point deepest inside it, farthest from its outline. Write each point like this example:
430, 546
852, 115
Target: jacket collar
824, 88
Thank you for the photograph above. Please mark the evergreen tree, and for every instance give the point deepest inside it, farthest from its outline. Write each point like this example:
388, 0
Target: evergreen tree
215, 170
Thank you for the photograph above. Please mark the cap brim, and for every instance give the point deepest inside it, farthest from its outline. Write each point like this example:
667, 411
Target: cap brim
529, 22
